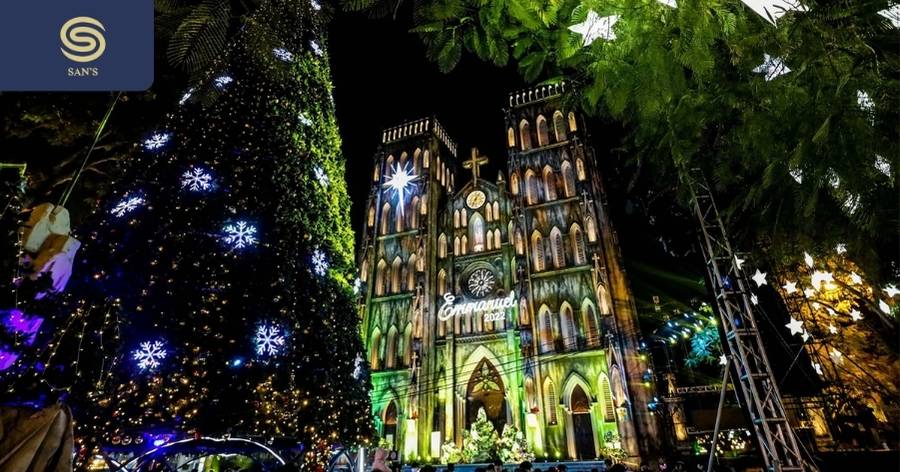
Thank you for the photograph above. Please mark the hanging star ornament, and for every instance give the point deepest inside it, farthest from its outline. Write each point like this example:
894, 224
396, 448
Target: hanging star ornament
841, 248
808, 260
772, 67
796, 326
884, 307
855, 315
790, 287
595, 26
754, 299
809, 292
832, 329
723, 359
836, 355
818, 368
738, 262
805, 335
773, 10
892, 14
819, 277
855, 278
759, 278
891, 290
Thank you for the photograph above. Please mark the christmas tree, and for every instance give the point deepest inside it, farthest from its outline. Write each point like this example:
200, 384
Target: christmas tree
214, 290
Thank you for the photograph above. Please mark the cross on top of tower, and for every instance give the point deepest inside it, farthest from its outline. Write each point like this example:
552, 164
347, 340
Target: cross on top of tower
475, 164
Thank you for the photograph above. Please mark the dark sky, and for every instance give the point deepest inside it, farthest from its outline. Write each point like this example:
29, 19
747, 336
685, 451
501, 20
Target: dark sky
382, 78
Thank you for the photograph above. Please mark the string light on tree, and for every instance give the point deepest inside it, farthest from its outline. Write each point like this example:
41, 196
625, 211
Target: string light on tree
399, 181
594, 27
268, 340
149, 354
196, 179
240, 235
772, 67
127, 205
157, 140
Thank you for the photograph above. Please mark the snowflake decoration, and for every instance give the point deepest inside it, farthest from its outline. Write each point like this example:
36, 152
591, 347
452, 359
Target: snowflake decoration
772, 10
304, 119
316, 49
595, 26
481, 282
156, 141
149, 354
772, 67
864, 101
240, 235
196, 179
186, 96
882, 165
126, 205
319, 262
357, 286
321, 176
851, 204
222, 81
797, 175
315, 5
283, 54
358, 367
841, 248
269, 340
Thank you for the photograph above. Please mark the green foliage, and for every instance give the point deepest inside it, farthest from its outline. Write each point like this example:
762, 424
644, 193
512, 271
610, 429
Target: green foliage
481, 443
705, 347
680, 79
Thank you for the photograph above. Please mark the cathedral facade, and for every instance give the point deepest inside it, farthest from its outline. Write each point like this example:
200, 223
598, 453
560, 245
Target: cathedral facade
506, 294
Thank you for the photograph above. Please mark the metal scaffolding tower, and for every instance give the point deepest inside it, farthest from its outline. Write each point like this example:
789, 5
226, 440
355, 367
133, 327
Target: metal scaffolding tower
752, 374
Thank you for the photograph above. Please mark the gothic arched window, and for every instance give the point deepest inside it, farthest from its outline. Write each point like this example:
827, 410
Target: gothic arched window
390, 349
525, 135
579, 169
380, 277
568, 179
578, 249
606, 399
524, 317
442, 246
591, 229
572, 125
388, 166
569, 330
514, 183
603, 299
364, 269
531, 187
520, 244
407, 345
559, 126
489, 212
591, 323
556, 248
551, 401
374, 348
456, 218
547, 335
476, 231
371, 216
411, 273
549, 184
398, 219
543, 133
396, 274
511, 137
497, 241
416, 154
385, 218
456, 249
413, 213
464, 244
537, 251
464, 217
425, 158
496, 211
442, 282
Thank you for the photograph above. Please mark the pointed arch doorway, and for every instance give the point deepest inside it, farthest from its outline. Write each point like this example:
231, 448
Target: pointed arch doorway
485, 390
582, 426
390, 424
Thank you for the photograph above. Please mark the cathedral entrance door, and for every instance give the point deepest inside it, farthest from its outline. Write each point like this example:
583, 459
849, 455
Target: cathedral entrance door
390, 424
582, 426
485, 390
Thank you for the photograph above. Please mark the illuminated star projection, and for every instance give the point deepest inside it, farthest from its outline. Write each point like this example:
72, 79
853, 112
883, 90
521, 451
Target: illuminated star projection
320, 262
772, 10
240, 235
773, 67
268, 340
149, 354
222, 81
399, 182
283, 54
156, 141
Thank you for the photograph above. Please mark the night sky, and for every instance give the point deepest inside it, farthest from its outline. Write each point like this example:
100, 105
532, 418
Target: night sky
382, 78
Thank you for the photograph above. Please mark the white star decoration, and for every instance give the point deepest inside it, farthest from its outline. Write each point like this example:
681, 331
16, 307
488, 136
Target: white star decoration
595, 26
723, 359
738, 262
832, 329
836, 355
759, 278
669, 3
819, 277
790, 287
808, 260
884, 307
796, 326
754, 299
772, 67
892, 14
841, 248
809, 292
805, 335
855, 315
891, 290
321, 176
855, 278
772, 10
818, 368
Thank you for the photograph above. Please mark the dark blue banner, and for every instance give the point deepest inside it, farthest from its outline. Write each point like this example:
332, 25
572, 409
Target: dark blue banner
72, 45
